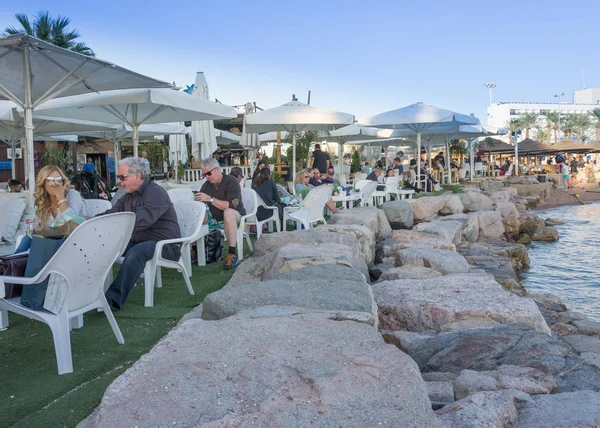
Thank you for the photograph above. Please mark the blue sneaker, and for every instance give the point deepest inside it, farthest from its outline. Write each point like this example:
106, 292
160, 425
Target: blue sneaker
231, 262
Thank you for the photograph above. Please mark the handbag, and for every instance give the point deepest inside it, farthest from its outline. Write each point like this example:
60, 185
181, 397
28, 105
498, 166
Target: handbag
40, 252
61, 231
13, 266
214, 246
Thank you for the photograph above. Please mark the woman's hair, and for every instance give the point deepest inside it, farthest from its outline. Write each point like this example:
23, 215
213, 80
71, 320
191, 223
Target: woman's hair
258, 168
263, 176
41, 197
413, 161
300, 175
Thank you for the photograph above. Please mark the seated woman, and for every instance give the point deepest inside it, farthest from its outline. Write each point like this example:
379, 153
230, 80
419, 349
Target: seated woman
260, 165
301, 183
55, 201
267, 190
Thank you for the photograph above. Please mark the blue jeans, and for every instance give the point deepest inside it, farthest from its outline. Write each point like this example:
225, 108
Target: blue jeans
136, 256
24, 245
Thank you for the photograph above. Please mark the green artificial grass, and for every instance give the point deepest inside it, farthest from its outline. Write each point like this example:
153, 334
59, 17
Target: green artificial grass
455, 188
32, 394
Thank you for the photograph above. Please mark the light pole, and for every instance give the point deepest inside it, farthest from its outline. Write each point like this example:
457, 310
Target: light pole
562, 94
490, 86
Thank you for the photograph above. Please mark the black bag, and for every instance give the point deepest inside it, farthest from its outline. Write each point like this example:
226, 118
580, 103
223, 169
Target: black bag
40, 252
13, 266
214, 246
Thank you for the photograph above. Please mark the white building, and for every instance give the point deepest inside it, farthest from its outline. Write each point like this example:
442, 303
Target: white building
585, 101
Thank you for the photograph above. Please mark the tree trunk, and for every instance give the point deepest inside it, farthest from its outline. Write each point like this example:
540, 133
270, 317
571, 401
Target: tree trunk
527, 133
548, 131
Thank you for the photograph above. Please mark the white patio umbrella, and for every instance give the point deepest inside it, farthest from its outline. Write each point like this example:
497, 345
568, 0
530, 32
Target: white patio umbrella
178, 151
204, 142
250, 141
135, 107
420, 118
226, 138
295, 117
271, 137
33, 72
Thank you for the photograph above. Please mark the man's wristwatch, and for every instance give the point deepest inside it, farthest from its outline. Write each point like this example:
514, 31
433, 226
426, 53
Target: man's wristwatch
211, 200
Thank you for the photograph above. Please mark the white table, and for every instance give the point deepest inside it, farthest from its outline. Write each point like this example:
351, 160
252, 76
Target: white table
346, 198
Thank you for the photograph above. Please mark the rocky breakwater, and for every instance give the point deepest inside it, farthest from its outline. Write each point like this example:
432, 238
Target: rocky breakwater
448, 295
290, 341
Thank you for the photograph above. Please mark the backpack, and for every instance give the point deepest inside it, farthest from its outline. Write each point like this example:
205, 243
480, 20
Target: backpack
213, 245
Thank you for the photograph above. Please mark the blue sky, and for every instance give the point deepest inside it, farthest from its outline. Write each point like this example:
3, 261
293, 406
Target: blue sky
355, 56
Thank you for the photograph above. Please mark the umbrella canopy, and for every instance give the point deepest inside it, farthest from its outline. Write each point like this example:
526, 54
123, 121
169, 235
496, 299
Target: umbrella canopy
250, 140
33, 71
178, 152
295, 117
225, 138
271, 137
135, 107
204, 143
421, 119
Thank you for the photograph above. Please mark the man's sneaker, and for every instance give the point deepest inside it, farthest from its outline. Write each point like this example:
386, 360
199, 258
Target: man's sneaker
231, 262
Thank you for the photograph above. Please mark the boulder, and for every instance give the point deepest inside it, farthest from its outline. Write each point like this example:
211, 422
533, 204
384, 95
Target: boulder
426, 208
491, 185
449, 230
485, 349
399, 214
452, 205
469, 381
476, 201
490, 225
402, 239
583, 343
408, 272
294, 256
445, 262
453, 302
553, 222
270, 242
440, 392
470, 225
530, 223
565, 410
587, 326
360, 234
510, 218
335, 289
545, 234
524, 239
377, 270
371, 217
493, 409
242, 372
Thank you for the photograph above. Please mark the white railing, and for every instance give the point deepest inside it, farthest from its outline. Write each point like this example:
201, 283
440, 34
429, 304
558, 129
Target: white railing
196, 174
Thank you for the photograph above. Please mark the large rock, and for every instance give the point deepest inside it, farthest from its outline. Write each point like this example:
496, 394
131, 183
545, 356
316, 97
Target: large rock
490, 225
484, 349
510, 218
453, 302
426, 208
445, 262
399, 214
452, 205
489, 409
531, 223
566, 410
408, 272
470, 381
362, 235
402, 239
291, 257
270, 242
334, 289
502, 195
545, 234
371, 217
491, 185
448, 229
476, 201
242, 372
470, 225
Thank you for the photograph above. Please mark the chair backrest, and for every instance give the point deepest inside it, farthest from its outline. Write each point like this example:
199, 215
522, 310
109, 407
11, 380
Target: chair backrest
315, 201
283, 192
250, 201
391, 184
368, 190
96, 206
190, 216
87, 255
182, 194
360, 184
247, 182
360, 176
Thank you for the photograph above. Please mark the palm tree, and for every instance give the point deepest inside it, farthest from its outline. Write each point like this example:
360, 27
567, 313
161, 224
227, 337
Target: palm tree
552, 122
582, 123
513, 126
596, 113
541, 134
569, 125
49, 29
528, 121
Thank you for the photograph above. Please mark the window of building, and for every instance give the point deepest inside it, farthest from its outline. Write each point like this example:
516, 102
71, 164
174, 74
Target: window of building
513, 111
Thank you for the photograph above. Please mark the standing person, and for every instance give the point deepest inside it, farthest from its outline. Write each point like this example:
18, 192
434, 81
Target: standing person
319, 160
224, 196
146, 163
110, 163
398, 166
89, 166
155, 220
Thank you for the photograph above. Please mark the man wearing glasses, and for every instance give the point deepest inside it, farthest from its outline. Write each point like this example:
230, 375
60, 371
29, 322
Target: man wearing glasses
155, 220
223, 195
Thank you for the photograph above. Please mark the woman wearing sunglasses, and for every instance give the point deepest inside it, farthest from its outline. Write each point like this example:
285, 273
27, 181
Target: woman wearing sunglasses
301, 182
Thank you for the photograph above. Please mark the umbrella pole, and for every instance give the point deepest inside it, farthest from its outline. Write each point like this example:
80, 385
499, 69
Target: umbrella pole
340, 158
471, 158
136, 138
418, 183
448, 161
28, 110
294, 155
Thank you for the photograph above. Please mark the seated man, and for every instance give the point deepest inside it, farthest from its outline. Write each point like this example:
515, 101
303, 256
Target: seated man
374, 176
224, 196
15, 186
238, 174
398, 166
315, 180
155, 220
329, 177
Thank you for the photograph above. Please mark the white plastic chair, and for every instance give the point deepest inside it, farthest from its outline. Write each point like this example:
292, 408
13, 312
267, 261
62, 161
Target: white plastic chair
77, 272
360, 176
311, 209
366, 188
274, 218
190, 215
283, 192
391, 188
250, 201
96, 206
180, 194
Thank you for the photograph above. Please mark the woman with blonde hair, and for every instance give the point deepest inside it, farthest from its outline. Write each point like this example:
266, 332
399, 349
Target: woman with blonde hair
301, 182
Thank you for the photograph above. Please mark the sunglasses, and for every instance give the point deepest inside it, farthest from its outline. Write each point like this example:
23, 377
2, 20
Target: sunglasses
121, 177
54, 179
209, 173
307, 176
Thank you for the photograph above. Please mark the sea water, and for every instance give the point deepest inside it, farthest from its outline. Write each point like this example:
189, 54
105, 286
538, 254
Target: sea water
569, 267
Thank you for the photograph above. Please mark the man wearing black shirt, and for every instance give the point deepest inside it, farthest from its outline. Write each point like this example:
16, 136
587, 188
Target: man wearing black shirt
319, 160
155, 220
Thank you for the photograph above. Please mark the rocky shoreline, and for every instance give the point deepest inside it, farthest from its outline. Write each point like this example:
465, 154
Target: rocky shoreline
407, 316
